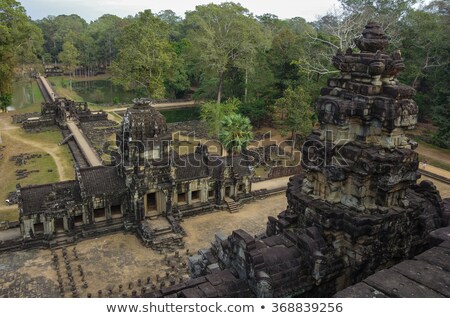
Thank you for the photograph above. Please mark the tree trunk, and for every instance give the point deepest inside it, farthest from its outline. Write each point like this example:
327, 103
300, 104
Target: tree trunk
293, 141
246, 85
219, 89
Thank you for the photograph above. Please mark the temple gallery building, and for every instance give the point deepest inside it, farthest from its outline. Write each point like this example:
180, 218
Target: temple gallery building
149, 181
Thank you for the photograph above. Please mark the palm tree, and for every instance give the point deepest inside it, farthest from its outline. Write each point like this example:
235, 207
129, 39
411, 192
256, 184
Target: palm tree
236, 133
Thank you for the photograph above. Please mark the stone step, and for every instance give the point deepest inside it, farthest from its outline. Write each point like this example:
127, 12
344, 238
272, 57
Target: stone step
233, 206
159, 232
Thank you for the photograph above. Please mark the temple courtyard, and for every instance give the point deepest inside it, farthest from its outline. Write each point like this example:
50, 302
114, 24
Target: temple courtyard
118, 264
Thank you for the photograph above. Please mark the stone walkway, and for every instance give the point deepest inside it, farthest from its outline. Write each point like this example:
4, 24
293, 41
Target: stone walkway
86, 149
271, 184
436, 170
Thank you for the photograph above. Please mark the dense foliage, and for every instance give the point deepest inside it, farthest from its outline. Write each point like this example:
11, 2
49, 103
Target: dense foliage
20, 42
218, 52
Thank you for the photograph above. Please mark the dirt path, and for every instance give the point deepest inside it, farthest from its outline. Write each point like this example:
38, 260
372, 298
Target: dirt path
436, 170
7, 129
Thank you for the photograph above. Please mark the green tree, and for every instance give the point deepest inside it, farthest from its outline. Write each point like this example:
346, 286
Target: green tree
293, 113
69, 56
60, 29
105, 32
146, 57
20, 42
442, 120
256, 111
235, 133
212, 114
223, 37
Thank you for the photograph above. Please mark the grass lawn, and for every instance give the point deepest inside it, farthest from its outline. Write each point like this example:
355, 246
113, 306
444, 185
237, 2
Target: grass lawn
8, 172
50, 139
10, 213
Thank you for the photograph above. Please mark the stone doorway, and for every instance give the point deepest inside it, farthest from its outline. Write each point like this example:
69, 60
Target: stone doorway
228, 191
78, 220
59, 225
116, 211
38, 228
195, 196
181, 198
151, 204
100, 215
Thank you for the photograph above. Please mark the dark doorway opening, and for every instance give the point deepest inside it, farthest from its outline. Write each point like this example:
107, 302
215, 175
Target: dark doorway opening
181, 197
59, 225
116, 211
78, 220
151, 201
195, 196
228, 191
100, 215
38, 228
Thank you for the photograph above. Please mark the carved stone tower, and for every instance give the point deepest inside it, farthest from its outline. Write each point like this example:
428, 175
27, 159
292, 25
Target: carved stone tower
358, 189
361, 157
143, 135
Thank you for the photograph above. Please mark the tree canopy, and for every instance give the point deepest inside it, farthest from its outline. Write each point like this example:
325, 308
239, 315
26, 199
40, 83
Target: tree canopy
223, 51
20, 41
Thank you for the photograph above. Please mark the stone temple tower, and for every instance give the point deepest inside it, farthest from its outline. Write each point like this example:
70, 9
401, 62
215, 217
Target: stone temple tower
358, 188
361, 156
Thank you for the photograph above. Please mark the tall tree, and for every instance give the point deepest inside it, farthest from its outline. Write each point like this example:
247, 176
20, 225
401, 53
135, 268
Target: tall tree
293, 113
105, 32
60, 29
20, 41
223, 37
69, 56
145, 57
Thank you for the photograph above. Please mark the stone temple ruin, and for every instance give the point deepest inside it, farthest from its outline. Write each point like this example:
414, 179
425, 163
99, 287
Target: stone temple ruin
355, 210
148, 190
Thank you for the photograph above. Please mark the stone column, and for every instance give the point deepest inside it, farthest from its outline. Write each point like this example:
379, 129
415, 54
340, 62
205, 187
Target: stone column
108, 210
175, 196
204, 191
161, 201
48, 226
189, 194
222, 193
65, 223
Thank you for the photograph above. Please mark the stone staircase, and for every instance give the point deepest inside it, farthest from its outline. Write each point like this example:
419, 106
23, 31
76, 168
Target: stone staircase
233, 206
65, 140
162, 238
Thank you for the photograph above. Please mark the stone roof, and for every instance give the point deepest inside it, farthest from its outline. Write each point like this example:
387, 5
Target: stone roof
190, 167
237, 164
102, 180
144, 121
49, 197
